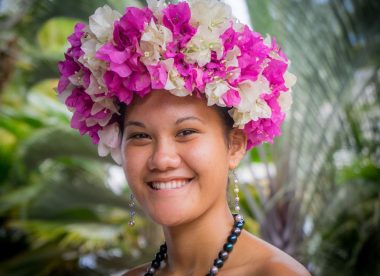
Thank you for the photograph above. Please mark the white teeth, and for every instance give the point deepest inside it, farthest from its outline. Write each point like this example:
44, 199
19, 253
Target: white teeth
170, 184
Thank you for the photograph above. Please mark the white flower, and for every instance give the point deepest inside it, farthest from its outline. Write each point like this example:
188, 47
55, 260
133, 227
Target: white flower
238, 26
290, 79
110, 141
153, 42
99, 31
101, 23
232, 61
285, 100
198, 49
250, 92
95, 87
231, 57
240, 118
251, 106
105, 104
212, 14
77, 78
268, 41
156, 6
175, 84
90, 46
214, 91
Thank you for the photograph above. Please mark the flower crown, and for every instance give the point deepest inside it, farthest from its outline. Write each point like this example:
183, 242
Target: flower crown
190, 48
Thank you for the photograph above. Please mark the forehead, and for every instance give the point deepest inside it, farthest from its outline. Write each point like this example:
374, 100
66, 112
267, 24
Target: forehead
161, 106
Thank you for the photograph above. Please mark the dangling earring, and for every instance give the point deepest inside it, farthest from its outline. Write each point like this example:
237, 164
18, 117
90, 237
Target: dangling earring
236, 192
132, 212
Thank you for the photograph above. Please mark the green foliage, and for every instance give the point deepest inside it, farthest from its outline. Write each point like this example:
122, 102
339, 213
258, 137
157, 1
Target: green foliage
348, 236
50, 39
330, 142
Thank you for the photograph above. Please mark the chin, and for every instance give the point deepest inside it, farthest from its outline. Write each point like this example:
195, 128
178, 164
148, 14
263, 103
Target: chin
169, 218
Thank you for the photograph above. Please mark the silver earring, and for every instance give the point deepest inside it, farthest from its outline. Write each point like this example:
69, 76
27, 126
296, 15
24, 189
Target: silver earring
236, 192
132, 211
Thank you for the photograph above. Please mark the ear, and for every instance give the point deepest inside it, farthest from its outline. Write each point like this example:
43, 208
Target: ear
237, 147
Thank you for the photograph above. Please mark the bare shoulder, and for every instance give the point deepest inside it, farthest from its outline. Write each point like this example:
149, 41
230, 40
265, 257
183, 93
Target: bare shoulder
284, 266
137, 271
262, 258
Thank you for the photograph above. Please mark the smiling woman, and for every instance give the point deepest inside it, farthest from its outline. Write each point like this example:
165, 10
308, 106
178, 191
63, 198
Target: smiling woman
177, 96
179, 157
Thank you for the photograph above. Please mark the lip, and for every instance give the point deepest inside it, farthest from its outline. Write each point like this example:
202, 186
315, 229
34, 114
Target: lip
167, 179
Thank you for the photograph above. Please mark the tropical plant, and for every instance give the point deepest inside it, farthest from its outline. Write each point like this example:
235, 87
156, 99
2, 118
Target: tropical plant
331, 131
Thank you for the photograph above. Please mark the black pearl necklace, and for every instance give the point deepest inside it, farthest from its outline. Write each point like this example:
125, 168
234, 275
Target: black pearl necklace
218, 262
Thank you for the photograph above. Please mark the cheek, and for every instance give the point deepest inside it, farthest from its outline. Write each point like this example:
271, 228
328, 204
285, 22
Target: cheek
210, 157
133, 165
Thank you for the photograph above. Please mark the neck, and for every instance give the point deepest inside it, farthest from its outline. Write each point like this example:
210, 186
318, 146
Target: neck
193, 246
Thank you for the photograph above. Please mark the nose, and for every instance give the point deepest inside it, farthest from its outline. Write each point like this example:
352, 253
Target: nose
164, 156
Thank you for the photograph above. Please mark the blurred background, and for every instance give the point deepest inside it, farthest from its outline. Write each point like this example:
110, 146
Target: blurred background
314, 193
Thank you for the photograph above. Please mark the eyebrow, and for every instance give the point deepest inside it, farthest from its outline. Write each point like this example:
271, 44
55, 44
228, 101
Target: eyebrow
179, 121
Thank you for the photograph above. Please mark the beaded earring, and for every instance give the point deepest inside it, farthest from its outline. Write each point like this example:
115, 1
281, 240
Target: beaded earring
236, 192
132, 211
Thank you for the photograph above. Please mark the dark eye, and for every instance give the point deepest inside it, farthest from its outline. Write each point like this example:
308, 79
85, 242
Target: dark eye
138, 136
186, 132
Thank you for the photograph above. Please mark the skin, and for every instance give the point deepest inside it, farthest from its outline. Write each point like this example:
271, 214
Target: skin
168, 137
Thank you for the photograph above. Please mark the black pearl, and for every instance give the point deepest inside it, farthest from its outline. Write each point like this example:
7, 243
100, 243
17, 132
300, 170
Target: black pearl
163, 248
237, 231
159, 256
239, 224
228, 247
218, 263
223, 255
232, 238
155, 264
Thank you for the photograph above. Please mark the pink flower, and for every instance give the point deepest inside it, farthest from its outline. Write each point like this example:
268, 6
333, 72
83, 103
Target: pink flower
274, 72
126, 73
158, 76
265, 129
229, 38
116, 88
80, 101
68, 67
231, 98
138, 82
111, 54
130, 26
276, 49
78, 122
75, 38
176, 18
62, 84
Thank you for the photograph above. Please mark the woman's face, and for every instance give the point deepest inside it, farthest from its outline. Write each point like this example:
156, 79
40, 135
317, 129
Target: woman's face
175, 156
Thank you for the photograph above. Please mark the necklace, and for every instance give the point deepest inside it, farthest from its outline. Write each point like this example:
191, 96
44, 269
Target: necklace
218, 262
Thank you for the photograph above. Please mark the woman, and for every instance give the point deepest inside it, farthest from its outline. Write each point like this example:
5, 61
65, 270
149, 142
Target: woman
177, 94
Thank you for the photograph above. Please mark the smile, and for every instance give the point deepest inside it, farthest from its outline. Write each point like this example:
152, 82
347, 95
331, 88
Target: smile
169, 185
